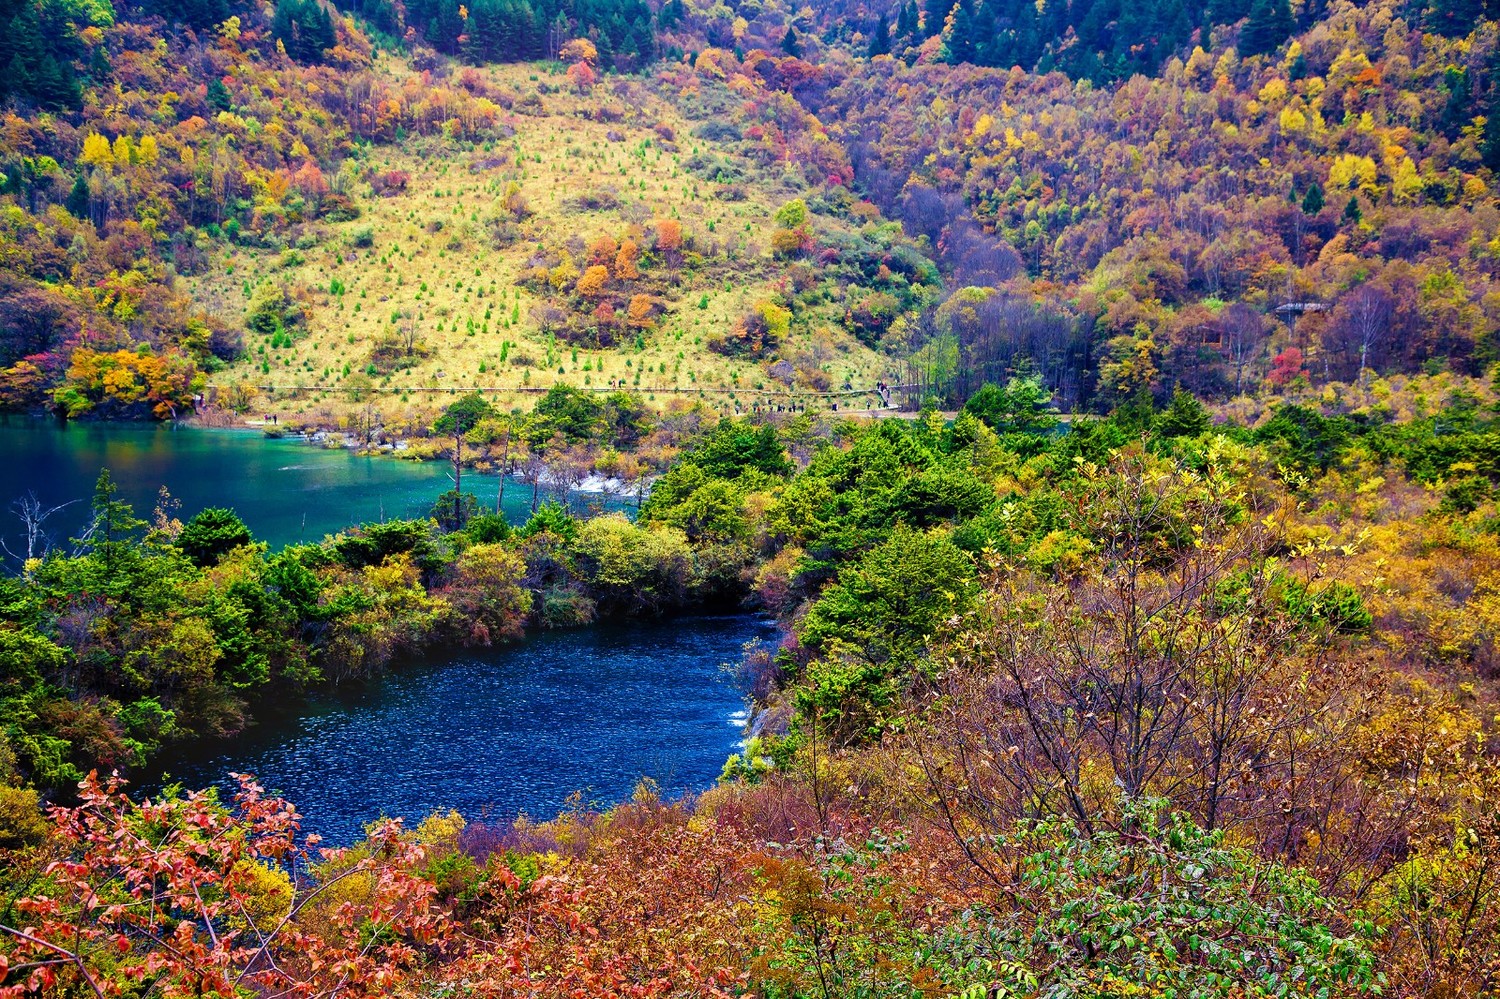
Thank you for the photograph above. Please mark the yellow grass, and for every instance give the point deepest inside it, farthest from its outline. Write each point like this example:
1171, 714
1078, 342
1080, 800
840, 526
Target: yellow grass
432, 259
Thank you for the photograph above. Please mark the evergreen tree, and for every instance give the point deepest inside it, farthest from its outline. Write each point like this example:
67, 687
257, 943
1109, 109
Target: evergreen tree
789, 43
670, 14
1312, 202
1024, 406
457, 420
1164, 24
211, 534
1227, 11
1454, 18
53, 85
1026, 34
880, 41
218, 95
908, 22
1457, 109
934, 16
1351, 210
1489, 146
303, 28
78, 199
1270, 23
961, 41
1185, 417
111, 537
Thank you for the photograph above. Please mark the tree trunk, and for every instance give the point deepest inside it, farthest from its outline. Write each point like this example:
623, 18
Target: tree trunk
504, 468
458, 485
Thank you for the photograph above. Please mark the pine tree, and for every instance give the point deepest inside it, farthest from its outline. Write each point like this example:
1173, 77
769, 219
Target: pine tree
671, 13
1185, 417
1312, 202
1270, 23
961, 40
1489, 146
112, 535
1457, 110
218, 95
789, 43
1454, 18
880, 41
1227, 11
78, 199
1027, 36
934, 16
284, 25
458, 419
1352, 213
53, 85
303, 28
907, 22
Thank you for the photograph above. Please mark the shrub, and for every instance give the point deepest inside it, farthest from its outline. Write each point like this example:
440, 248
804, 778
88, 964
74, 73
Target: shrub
565, 607
212, 533
1162, 907
634, 570
488, 528
485, 593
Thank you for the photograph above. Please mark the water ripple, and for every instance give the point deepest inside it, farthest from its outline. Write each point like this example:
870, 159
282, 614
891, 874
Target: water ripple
505, 731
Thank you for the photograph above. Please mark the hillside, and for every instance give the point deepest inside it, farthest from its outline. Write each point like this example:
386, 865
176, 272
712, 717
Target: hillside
472, 269
1243, 215
302, 220
1232, 224
1154, 655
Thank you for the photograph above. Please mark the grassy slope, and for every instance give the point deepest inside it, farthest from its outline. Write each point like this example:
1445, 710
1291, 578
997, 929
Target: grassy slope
554, 155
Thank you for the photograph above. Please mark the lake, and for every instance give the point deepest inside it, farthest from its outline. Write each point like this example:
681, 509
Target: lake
285, 490
504, 731
493, 732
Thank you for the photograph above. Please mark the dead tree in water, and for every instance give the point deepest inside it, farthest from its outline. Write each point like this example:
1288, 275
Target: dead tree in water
33, 516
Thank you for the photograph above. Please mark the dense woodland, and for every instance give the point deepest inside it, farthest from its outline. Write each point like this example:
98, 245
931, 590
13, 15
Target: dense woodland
1159, 704
1208, 209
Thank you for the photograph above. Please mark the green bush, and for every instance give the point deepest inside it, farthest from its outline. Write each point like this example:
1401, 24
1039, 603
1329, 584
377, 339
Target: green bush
1160, 908
1334, 604
212, 533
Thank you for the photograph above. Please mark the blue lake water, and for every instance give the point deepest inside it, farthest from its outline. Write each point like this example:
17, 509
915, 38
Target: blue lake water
505, 731
493, 732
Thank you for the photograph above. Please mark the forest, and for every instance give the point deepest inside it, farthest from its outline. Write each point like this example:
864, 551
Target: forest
1161, 703
1224, 209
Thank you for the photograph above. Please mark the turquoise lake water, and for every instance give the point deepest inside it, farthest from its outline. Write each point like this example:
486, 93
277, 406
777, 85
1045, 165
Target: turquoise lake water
286, 491
492, 733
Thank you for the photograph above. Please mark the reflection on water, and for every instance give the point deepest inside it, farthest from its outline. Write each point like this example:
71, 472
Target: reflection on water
499, 731
505, 731
285, 490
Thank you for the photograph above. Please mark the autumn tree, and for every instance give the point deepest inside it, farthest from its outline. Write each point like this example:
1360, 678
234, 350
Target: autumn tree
593, 282
641, 313
582, 76
626, 268
669, 240
200, 896
579, 50
1171, 661
793, 234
